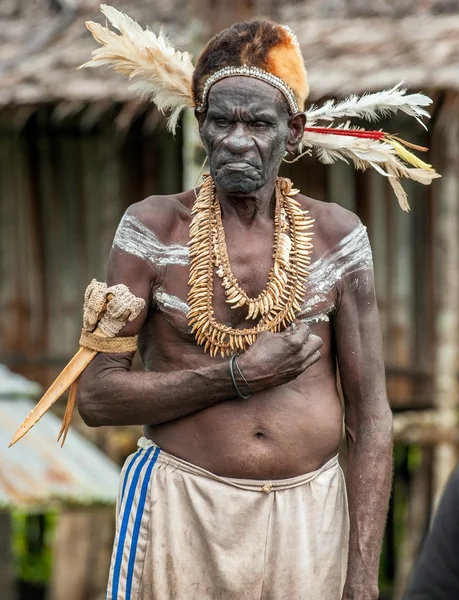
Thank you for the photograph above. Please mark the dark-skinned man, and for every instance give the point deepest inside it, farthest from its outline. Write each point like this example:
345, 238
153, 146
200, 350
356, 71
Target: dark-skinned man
236, 492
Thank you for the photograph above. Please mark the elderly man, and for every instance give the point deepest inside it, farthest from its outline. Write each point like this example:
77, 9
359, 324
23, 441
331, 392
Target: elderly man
236, 492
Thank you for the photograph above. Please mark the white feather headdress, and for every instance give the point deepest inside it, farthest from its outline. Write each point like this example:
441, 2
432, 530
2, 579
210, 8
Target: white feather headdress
164, 75
386, 153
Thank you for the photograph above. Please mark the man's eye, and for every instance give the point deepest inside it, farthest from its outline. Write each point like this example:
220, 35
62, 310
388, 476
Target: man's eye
221, 122
259, 124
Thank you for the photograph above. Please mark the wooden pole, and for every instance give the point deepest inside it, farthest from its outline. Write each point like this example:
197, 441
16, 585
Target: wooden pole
446, 386
81, 557
193, 153
209, 18
6, 559
423, 427
414, 525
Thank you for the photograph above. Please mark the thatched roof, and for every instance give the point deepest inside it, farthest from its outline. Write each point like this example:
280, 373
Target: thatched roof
369, 54
40, 49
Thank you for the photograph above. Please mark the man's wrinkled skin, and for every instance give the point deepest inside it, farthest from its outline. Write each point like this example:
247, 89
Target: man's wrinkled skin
246, 143
293, 422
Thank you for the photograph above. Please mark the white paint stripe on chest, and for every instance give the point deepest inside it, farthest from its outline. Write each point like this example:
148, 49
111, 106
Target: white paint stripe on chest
351, 254
133, 237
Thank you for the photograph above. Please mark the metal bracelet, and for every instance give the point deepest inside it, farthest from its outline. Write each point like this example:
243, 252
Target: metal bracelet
232, 362
242, 375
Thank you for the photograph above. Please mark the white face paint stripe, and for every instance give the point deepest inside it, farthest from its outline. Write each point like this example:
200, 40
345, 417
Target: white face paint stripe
133, 237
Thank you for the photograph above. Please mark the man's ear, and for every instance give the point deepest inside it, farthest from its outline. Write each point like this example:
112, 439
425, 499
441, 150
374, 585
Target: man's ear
200, 117
297, 124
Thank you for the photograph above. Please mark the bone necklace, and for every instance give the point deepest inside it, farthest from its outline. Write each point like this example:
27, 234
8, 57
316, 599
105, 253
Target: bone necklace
278, 304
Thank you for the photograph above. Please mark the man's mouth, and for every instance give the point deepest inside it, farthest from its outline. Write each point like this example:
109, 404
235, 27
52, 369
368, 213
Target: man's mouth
237, 166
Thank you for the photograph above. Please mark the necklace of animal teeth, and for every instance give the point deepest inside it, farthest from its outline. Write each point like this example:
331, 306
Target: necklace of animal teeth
278, 304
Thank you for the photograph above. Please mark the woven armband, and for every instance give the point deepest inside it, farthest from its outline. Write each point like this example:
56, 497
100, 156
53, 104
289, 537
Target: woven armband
104, 344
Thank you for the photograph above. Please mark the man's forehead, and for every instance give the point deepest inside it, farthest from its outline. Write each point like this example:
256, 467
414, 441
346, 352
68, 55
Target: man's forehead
248, 92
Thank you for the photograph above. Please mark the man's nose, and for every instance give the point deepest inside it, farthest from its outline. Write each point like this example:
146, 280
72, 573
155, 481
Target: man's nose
238, 139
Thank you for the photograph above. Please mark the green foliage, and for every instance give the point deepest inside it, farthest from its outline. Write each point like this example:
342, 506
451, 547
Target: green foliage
32, 539
407, 460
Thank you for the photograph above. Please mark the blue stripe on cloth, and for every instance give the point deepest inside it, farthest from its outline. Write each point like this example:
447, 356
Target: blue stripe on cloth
138, 522
126, 474
125, 523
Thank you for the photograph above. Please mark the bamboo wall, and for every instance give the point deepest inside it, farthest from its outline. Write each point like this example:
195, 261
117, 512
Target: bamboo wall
64, 185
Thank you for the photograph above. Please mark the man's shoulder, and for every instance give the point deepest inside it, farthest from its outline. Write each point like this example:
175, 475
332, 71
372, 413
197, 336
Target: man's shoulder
161, 214
332, 222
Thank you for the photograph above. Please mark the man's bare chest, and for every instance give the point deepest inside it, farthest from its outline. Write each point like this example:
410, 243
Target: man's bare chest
250, 263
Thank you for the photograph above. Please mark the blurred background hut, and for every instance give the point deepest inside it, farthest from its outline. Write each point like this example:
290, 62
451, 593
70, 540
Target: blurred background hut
76, 149
51, 503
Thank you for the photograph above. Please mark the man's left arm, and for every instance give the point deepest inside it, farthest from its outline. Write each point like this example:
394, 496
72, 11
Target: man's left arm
368, 421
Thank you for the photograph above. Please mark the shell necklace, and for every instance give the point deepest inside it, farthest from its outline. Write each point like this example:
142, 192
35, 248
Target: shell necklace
278, 303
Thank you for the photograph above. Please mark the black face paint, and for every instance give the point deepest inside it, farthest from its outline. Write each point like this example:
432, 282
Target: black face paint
245, 132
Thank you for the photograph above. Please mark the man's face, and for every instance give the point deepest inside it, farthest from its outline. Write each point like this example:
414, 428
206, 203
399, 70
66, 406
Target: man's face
245, 131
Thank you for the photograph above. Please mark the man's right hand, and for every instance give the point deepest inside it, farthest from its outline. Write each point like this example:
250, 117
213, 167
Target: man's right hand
277, 358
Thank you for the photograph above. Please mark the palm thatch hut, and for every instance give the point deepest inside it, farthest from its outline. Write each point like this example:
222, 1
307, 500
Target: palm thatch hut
76, 148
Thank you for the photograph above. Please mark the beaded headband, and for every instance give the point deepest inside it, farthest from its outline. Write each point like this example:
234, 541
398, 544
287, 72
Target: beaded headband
254, 72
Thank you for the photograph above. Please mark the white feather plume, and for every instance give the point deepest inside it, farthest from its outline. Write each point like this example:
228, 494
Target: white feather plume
162, 73
372, 106
364, 153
